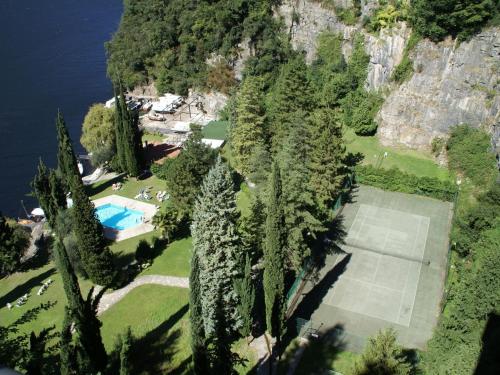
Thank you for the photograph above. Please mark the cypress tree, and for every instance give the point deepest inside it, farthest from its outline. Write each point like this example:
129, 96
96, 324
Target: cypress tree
274, 259
247, 132
96, 257
252, 227
128, 138
327, 158
198, 341
246, 292
49, 192
67, 356
120, 146
66, 159
298, 200
126, 345
90, 349
216, 241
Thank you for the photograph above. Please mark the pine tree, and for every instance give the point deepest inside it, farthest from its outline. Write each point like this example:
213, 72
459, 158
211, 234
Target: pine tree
49, 192
248, 131
126, 344
66, 159
198, 341
298, 200
217, 245
246, 292
96, 257
274, 259
327, 158
383, 356
90, 349
291, 93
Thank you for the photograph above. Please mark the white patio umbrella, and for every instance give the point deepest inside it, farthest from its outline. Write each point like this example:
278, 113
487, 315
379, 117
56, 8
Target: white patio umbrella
38, 212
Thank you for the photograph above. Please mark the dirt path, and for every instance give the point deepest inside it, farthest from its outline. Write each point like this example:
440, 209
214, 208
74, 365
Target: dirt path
109, 299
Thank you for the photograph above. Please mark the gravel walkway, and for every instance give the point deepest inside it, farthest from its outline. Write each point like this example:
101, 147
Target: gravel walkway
109, 299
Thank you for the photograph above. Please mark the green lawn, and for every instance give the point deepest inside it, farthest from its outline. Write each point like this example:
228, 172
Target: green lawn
130, 189
411, 161
158, 317
16, 285
216, 130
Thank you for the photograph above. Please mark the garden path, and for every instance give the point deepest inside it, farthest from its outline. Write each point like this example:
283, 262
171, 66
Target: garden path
109, 299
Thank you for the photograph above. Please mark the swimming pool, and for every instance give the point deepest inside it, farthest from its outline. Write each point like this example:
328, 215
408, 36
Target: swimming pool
118, 217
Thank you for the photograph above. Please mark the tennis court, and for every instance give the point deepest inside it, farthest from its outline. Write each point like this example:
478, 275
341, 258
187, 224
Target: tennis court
393, 269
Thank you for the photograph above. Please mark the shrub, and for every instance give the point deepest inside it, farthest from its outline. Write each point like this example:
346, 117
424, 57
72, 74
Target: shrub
437, 145
143, 252
405, 68
396, 180
459, 18
359, 110
469, 153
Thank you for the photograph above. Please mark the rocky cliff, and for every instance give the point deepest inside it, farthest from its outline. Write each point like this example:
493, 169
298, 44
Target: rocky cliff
452, 83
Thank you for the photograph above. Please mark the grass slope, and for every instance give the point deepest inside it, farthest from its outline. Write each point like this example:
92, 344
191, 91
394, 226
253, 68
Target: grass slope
411, 161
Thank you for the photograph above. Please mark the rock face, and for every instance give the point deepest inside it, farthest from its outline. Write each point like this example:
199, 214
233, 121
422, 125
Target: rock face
385, 50
452, 84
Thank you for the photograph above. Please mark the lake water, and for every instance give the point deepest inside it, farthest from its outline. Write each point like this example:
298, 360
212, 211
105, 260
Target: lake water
51, 56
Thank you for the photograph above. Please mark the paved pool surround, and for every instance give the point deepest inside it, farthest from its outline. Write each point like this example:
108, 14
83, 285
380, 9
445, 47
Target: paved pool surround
148, 209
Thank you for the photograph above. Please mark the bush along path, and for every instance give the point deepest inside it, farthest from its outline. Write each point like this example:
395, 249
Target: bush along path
109, 299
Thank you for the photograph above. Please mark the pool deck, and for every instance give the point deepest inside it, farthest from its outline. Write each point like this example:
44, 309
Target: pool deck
120, 235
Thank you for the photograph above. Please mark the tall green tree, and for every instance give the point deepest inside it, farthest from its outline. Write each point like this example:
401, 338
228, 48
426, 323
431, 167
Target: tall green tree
274, 259
326, 158
252, 227
93, 251
297, 196
246, 293
217, 243
247, 132
291, 93
185, 173
383, 356
83, 314
66, 159
128, 137
198, 339
49, 191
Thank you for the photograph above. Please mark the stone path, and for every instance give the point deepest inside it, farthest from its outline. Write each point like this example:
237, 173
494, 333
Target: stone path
262, 348
109, 299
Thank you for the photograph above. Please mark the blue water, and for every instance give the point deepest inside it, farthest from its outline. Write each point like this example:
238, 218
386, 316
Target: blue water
118, 217
51, 56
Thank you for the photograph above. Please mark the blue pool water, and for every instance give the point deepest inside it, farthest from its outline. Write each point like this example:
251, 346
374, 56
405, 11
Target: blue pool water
118, 217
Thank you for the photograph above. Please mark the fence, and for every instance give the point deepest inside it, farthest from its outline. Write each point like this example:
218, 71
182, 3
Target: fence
448, 261
298, 285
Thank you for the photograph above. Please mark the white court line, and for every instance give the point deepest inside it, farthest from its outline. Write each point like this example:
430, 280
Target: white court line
418, 280
371, 284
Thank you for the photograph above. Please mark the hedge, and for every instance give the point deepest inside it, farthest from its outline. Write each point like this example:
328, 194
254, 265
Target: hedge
396, 180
